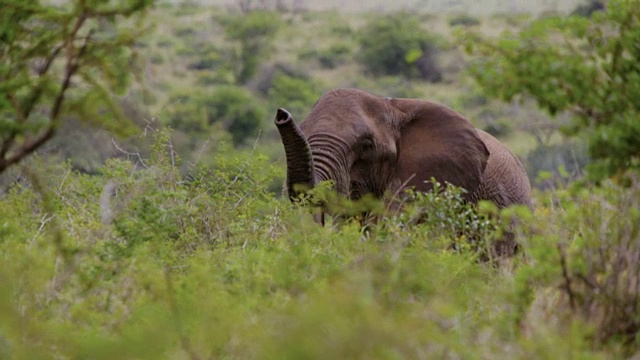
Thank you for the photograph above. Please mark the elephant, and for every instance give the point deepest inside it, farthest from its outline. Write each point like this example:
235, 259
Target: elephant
367, 144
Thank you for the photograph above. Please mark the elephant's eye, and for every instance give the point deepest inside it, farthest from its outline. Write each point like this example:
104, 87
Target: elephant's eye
366, 148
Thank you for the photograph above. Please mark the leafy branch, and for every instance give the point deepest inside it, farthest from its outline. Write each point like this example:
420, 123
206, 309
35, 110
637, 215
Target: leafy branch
45, 48
586, 67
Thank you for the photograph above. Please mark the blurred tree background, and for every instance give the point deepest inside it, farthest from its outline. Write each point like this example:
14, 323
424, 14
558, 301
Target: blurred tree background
216, 74
147, 208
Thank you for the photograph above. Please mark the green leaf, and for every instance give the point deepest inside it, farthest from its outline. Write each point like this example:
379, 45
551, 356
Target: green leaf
413, 55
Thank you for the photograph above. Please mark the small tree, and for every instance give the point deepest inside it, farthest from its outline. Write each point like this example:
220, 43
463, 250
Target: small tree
588, 67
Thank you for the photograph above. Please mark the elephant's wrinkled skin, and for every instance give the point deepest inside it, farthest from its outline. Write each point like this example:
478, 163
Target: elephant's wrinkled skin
369, 144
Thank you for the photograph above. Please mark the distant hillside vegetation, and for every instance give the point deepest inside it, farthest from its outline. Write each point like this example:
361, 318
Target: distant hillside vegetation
485, 7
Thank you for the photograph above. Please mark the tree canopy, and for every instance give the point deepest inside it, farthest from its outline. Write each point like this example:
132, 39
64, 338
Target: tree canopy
588, 66
64, 61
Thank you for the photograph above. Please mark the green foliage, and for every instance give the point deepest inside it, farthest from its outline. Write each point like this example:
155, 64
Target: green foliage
112, 302
187, 111
254, 34
391, 45
588, 67
170, 254
221, 76
184, 31
444, 216
585, 247
238, 110
208, 57
331, 57
464, 20
63, 61
295, 94
196, 111
214, 265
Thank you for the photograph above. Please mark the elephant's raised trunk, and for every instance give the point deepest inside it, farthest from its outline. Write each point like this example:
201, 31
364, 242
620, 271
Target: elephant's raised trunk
300, 174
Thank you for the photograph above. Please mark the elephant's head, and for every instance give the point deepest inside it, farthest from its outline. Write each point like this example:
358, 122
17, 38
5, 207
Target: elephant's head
369, 144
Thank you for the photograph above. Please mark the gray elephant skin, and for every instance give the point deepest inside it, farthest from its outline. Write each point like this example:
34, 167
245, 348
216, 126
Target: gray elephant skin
374, 145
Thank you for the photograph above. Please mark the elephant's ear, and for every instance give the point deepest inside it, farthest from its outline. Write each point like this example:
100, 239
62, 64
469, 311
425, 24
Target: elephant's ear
435, 141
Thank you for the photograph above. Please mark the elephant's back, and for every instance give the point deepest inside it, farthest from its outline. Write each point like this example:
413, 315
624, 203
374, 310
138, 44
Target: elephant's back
505, 179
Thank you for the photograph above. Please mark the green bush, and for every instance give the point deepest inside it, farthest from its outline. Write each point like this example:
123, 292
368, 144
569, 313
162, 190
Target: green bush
195, 111
253, 34
585, 250
328, 58
96, 256
238, 110
395, 44
596, 79
334, 55
221, 76
185, 31
464, 20
157, 59
295, 94
213, 264
308, 54
186, 111
207, 58
165, 43
341, 29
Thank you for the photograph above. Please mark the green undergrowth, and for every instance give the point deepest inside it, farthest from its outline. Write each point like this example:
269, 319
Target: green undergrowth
141, 262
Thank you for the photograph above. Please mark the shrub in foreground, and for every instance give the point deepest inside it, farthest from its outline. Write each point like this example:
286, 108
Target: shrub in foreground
144, 263
587, 248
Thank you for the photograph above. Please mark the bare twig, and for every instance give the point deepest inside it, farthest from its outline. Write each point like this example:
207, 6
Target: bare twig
172, 154
45, 219
56, 230
129, 153
244, 165
397, 193
567, 279
589, 282
200, 152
